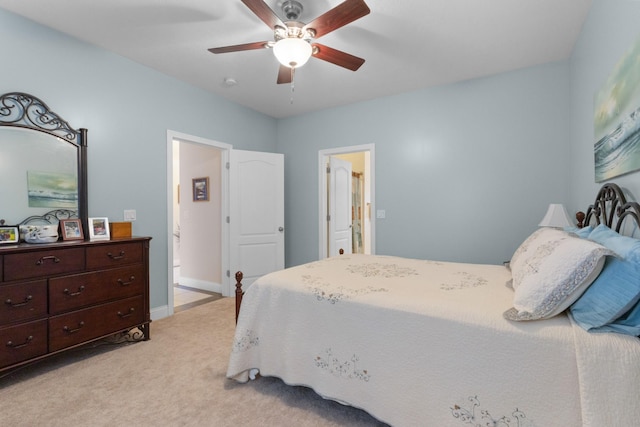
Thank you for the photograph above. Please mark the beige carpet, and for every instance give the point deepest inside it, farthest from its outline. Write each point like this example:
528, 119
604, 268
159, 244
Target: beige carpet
175, 379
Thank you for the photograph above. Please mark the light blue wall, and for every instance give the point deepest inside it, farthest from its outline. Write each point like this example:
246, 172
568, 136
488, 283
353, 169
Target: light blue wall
465, 172
610, 30
127, 109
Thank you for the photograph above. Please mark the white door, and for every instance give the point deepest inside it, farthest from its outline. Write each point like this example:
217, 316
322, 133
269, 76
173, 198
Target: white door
256, 214
340, 203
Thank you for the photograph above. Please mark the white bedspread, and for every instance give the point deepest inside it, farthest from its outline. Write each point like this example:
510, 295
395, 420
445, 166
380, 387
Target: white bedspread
424, 343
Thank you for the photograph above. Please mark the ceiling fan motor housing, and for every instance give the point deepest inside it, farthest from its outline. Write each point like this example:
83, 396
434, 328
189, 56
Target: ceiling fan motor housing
292, 10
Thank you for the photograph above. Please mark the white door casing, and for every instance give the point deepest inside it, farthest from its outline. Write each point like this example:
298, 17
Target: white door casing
224, 189
340, 205
256, 214
323, 184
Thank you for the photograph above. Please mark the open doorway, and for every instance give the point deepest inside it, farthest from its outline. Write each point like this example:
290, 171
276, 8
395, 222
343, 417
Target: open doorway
346, 200
198, 232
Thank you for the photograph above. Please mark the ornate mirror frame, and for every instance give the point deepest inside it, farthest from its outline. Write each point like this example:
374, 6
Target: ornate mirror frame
21, 110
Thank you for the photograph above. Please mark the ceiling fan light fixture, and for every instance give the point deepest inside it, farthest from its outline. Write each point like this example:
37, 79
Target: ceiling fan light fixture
292, 52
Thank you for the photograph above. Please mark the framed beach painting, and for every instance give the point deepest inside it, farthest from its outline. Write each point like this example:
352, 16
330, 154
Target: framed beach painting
617, 119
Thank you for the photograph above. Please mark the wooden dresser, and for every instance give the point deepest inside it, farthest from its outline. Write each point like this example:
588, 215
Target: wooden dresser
57, 296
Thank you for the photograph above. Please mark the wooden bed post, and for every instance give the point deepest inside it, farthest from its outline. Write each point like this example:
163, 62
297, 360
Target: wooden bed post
239, 293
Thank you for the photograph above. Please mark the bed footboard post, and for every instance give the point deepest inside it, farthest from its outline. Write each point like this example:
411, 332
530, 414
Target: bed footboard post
239, 293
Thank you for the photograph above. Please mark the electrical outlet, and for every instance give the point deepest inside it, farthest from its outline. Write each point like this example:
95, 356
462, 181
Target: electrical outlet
130, 215
381, 214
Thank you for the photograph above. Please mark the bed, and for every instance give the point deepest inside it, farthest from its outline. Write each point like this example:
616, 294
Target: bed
428, 343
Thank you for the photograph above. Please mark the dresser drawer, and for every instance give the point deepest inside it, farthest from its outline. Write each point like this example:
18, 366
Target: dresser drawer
78, 326
46, 262
80, 290
23, 301
114, 254
22, 342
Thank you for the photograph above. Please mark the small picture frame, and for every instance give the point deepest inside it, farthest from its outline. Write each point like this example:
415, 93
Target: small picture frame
99, 228
71, 229
9, 234
201, 189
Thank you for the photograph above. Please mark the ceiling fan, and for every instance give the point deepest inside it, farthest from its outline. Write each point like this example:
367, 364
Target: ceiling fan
294, 41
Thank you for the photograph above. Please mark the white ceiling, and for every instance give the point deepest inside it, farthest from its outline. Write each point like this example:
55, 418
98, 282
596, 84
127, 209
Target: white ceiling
407, 44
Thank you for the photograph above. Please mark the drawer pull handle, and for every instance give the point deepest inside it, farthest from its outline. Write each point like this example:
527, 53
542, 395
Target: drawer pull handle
45, 258
125, 315
123, 283
73, 331
116, 257
27, 300
25, 343
74, 294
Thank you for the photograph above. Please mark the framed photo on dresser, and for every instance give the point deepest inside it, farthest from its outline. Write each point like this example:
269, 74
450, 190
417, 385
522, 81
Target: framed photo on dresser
71, 229
9, 234
99, 228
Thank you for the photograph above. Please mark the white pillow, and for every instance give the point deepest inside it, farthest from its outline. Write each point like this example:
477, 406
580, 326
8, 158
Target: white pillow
550, 271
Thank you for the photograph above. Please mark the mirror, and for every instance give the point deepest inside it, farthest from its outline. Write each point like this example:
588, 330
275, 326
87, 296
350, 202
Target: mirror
43, 163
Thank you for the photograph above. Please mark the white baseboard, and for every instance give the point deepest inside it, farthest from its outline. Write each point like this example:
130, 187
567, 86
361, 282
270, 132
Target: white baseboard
159, 312
201, 284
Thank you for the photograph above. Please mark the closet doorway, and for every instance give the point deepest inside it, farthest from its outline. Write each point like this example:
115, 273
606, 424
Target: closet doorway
198, 230
346, 200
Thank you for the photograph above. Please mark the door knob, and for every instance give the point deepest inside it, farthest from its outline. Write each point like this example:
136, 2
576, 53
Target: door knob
280, 228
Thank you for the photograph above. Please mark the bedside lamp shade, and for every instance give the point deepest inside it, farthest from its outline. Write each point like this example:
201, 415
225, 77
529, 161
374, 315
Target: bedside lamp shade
556, 217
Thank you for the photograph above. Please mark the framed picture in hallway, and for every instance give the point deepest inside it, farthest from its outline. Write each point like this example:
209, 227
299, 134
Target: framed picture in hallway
201, 189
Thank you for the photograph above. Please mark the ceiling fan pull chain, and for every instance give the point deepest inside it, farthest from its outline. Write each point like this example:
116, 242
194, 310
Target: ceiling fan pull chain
293, 86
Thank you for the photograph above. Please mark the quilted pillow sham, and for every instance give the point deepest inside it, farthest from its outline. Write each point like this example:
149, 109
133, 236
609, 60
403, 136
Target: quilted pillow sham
551, 272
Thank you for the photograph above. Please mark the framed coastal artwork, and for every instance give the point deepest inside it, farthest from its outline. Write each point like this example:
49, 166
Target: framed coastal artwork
201, 189
617, 119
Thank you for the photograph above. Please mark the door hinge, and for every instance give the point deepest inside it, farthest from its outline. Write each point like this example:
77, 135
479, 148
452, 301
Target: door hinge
228, 273
228, 220
328, 218
228, 165
328, 169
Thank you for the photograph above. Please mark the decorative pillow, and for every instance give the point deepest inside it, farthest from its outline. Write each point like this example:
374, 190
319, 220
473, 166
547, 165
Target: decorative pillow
628, 324
522, 254
580, 232
627, 247
611, 295
552, 272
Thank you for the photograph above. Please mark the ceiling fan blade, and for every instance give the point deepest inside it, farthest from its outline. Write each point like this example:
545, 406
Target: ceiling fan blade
337, 57
264, 12
339, 16
239, 47
285, 75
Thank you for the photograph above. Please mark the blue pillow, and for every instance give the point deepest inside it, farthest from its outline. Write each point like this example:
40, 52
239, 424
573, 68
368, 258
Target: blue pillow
580, 232
614, 292
627, 247
629, 324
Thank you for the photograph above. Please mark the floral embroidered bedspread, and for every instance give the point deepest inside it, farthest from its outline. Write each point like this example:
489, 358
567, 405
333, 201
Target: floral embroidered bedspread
414, 343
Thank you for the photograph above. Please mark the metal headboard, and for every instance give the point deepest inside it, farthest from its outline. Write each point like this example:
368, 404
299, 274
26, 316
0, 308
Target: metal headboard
611, 209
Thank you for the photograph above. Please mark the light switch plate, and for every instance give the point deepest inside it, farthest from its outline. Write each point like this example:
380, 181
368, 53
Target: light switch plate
130, 215
381, 214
